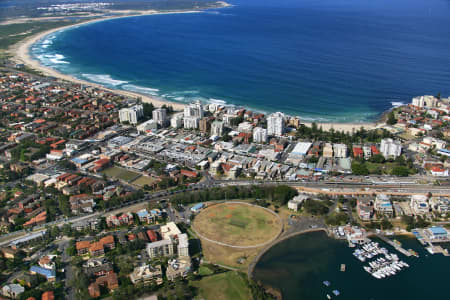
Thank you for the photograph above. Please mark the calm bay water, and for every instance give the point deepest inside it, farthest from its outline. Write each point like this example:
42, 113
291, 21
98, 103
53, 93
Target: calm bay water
327, 60
299, 265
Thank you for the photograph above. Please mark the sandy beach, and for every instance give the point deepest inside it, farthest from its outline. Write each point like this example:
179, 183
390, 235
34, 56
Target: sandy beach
20, 52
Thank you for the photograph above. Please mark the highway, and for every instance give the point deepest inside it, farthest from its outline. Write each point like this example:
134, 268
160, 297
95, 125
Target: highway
326, 187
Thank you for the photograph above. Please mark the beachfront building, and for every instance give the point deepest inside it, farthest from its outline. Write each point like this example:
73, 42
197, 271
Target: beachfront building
328, 150
275, 124
425, 101
159, 115
390, 148
245, 127
177, 120
131, 114
419, 204
383, 206
191, 122
259, 135
217, 128
340, 150
194, 109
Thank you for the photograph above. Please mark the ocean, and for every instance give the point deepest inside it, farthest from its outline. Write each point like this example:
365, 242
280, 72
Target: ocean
323, 60
298, 266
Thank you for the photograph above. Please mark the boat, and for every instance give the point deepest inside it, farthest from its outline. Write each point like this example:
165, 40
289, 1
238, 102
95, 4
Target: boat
336, 292
328, 296
326, 283
342, 267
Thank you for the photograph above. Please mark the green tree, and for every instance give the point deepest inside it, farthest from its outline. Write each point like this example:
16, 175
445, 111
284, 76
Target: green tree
391, 120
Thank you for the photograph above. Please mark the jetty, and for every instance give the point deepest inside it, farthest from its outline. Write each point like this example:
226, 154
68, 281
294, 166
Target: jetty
397, 246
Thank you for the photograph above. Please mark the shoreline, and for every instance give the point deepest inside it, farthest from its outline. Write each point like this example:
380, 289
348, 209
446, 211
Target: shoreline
21, 54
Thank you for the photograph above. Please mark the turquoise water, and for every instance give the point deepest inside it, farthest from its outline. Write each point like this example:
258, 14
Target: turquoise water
299, 265
327, 60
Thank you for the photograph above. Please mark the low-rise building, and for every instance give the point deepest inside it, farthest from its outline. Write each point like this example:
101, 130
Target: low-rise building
419, 204
178, 268
147, 273
296, 202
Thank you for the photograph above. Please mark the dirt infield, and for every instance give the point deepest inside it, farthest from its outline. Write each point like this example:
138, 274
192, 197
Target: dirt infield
237, 225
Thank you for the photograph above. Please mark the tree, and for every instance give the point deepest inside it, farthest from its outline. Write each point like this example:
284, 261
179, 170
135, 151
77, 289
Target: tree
391, 118
377, 158
359, 168
400, 171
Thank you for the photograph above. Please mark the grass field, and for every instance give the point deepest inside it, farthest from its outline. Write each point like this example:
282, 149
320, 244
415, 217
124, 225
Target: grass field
237, 224
225, 286
143, 180
120, 173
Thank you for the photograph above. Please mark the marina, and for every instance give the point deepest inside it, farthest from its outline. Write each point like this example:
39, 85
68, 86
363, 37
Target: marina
383, 265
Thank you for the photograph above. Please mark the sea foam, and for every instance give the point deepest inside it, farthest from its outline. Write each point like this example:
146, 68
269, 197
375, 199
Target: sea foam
397, 104
140, 89
104, 79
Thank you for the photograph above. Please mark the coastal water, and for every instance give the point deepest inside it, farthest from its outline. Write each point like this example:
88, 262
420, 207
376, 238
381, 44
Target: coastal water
327, 60
298, 267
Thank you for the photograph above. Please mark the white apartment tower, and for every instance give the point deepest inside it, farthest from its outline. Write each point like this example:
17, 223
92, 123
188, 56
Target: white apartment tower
191, 122
390, 148
194, 109
275, 124
259, 135
217, 128
159, 115
131, 114
177, 120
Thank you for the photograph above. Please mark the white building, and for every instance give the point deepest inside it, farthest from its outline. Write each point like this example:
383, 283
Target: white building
245, 127
147, 125
12, 290
425, 101
159, 115
183, 245
301, 148
217, 128
177, 120
340, 150
296, 202
170, 231
194, 109
163, 248
328, 150
131, 114
390, 148
275, 124
419, 204
259, 135
191, 122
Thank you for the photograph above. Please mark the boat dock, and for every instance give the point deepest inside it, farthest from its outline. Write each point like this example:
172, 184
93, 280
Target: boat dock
397, 246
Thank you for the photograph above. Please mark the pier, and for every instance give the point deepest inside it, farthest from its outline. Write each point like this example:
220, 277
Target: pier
395, 245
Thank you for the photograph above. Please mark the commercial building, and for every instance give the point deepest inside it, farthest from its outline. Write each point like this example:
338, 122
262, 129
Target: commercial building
390, 148
131, 114
275, 124
147, 125
301, 148
259, 135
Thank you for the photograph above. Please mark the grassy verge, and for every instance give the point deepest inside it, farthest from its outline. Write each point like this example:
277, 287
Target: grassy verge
224, 286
